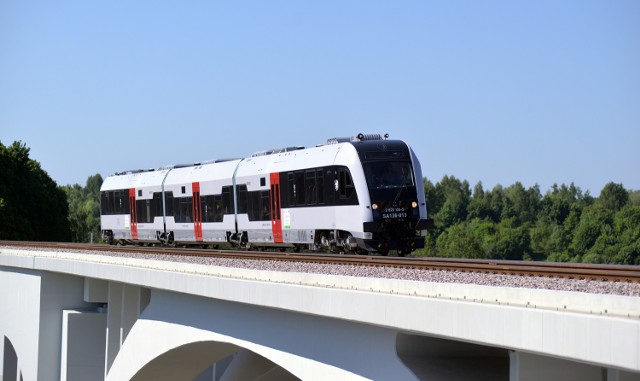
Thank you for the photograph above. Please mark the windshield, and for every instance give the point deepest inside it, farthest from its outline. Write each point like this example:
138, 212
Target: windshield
388, 174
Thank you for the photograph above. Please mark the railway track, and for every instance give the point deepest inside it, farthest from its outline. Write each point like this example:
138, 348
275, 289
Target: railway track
610, 273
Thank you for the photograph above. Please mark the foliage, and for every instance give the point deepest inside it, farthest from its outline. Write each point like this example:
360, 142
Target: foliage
31, 205
519, 223
84, 209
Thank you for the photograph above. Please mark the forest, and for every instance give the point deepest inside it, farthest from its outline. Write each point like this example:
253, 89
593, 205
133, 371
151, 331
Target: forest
564, 225
518, 223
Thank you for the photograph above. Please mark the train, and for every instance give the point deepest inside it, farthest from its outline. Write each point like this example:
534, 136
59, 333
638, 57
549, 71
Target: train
360, 194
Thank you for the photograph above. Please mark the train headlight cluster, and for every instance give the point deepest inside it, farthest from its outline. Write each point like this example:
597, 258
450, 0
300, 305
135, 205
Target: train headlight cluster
414, 204
374, 206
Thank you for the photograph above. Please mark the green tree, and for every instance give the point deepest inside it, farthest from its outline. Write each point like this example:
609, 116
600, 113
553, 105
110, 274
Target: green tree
455, 196
618, 243
593, 222
84, 209
521, 204
479, 205
509, 241
613, 197
634, 198
458, 241
33, 208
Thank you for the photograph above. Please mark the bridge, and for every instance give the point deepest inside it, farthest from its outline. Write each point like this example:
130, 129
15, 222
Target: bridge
71, 316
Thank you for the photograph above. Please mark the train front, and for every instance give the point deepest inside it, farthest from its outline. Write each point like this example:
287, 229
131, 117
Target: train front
394, 180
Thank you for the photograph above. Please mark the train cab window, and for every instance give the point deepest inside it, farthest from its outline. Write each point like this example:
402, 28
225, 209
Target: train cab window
388, 174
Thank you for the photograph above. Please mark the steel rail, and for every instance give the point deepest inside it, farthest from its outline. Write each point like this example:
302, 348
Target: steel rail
612, 273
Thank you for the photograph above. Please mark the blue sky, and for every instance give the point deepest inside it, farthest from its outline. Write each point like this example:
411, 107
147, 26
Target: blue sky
495, 91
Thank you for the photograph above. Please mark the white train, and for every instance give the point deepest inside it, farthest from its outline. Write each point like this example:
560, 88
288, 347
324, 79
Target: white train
359, 194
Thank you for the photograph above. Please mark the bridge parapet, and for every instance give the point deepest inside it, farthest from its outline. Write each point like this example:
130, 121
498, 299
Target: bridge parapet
517, 327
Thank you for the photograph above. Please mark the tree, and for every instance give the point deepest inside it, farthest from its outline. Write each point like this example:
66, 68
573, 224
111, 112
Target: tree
84, 209
509, 242
33, 208
566, 225
458, 241
613, 197
592, 224
521, 204
479, 204
455, 196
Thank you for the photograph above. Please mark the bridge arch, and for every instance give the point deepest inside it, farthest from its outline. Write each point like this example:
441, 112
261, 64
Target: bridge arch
178, 336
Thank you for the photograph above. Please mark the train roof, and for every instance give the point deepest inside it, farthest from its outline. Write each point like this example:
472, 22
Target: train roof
131, 175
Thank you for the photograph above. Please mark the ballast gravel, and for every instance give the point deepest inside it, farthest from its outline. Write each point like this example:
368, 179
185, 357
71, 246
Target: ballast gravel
440, 276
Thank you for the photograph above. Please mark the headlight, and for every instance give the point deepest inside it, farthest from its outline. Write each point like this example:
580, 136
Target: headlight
374, 206
414, 204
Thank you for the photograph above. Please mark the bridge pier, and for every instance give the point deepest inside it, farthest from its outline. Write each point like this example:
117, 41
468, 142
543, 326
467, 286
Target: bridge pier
125, 303
530, 367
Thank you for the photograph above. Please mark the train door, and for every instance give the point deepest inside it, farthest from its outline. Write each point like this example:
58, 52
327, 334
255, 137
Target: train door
196, 207
133, 215
274, 201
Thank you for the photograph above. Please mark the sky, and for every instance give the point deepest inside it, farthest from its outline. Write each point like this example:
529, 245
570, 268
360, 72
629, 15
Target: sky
539, 92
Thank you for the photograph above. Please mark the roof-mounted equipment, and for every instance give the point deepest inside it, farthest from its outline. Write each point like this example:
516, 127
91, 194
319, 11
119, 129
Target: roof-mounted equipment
357, 138
276, 150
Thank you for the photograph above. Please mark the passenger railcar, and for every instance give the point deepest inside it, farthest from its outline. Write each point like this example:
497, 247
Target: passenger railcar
358, 194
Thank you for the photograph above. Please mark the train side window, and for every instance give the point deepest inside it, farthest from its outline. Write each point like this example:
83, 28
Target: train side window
157, 204
265, 214
291, 190
345, 184
310, 187
263, 181
299, 187
168, 202
254, 206
208, 210
320, 185
143, 209
217, 205
183, 208
243, 197
227, 200
119, 202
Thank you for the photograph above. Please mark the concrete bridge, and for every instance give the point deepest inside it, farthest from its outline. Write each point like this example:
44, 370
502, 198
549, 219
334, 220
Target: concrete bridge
69, 316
